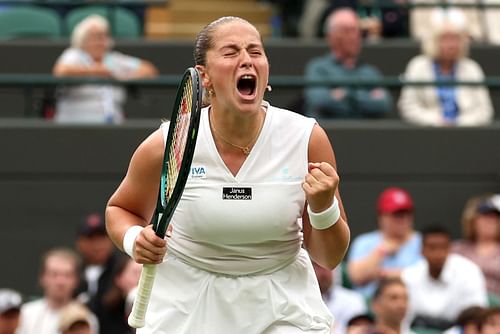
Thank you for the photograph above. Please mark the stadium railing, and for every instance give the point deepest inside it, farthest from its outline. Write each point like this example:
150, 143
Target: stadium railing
28, 82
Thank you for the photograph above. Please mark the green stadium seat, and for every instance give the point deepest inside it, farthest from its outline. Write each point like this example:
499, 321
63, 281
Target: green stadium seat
123, 22
29, 22
494, 300
421, 330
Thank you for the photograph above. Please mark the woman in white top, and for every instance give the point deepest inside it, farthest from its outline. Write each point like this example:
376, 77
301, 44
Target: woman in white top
445, 58
235, 264
90, 55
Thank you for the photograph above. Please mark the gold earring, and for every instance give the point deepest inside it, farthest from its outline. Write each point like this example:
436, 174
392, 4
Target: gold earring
211, 92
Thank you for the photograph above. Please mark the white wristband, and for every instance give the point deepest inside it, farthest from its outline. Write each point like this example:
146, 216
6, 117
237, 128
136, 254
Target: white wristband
324, 219
129, 239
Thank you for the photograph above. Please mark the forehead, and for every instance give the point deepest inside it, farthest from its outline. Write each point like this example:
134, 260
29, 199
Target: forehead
436, 239
235, 32
96, 29
343, 19
393, 288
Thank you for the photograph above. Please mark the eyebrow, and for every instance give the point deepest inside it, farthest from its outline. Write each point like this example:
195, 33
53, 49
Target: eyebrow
235, 46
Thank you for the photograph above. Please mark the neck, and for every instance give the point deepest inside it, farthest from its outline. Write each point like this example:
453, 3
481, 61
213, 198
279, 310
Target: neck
435, 273
390, 327
486, 245
56, 304
446, 66
237, 132
346, 60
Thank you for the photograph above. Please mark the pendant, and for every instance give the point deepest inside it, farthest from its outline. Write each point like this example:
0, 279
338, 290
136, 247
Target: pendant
246, 150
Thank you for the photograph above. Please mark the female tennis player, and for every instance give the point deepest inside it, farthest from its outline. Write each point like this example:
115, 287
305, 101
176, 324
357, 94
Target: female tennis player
261, 199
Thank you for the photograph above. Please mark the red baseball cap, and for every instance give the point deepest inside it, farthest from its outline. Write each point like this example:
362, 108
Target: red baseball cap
394, 199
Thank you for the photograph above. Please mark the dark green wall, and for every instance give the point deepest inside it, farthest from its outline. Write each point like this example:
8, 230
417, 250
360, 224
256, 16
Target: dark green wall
51, 176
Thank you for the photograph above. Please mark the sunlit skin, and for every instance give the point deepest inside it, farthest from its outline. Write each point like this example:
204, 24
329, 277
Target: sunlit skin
435, 249
238, 117
344, 36
9, 321
492, 324
487, 227
450, 45
397, 226
59, 280
238, 51
391, 305
97, 43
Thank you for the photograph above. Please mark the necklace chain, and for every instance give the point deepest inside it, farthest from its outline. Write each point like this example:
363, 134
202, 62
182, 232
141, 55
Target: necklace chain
245, 149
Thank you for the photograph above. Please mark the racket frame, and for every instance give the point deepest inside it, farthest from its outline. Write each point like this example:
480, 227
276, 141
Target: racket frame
165, 208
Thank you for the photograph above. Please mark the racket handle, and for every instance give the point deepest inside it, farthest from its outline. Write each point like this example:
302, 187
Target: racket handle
137, 316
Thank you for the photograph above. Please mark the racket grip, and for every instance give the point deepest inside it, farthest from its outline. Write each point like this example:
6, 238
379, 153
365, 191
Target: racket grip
137, 316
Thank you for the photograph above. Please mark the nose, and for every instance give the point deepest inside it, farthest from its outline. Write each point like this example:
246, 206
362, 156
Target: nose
246, 60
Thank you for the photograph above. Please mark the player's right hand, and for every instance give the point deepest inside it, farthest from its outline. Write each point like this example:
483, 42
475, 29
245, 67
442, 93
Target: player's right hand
150, 248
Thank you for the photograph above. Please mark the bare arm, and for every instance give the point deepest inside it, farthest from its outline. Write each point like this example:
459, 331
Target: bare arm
68, 70
146, 70
327, 247
364, 270
134, 201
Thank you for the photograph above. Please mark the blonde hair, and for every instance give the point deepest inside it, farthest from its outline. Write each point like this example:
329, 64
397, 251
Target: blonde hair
82, 29
470, 214
451, 21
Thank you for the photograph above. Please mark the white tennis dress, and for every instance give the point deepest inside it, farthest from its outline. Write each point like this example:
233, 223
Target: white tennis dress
234, 262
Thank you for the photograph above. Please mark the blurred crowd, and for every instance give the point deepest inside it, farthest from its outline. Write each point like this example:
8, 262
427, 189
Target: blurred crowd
394, 279
444, 33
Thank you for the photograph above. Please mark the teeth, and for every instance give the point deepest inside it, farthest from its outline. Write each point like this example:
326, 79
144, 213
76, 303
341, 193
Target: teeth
247, 77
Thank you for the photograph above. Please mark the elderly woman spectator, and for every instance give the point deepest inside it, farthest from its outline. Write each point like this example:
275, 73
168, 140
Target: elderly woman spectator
481, 237
91, 55
445, 58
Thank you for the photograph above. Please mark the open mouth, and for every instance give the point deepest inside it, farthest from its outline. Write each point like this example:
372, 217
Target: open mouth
246, 85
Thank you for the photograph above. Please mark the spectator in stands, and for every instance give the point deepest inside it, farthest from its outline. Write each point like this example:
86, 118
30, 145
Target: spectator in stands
99, 260
442, 284
58, 279
468, 321
112, 310
361, 324
343, 303
490, 323
481, 238
390, 248
91, 55
445, 58
76, 318
390, 305
342, 62
10, 306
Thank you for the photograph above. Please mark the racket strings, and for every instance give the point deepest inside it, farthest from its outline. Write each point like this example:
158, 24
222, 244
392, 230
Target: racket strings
180, 136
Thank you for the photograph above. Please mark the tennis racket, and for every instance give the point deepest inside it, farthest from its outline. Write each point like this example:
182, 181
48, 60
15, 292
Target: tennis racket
179, 150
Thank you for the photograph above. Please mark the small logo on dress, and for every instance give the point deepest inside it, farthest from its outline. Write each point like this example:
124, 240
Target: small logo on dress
198, 172
237, 193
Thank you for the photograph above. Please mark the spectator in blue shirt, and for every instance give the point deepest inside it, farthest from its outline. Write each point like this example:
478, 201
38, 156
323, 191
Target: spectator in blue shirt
392, 247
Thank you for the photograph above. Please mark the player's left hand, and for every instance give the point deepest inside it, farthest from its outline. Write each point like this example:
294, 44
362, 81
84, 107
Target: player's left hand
320, 185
